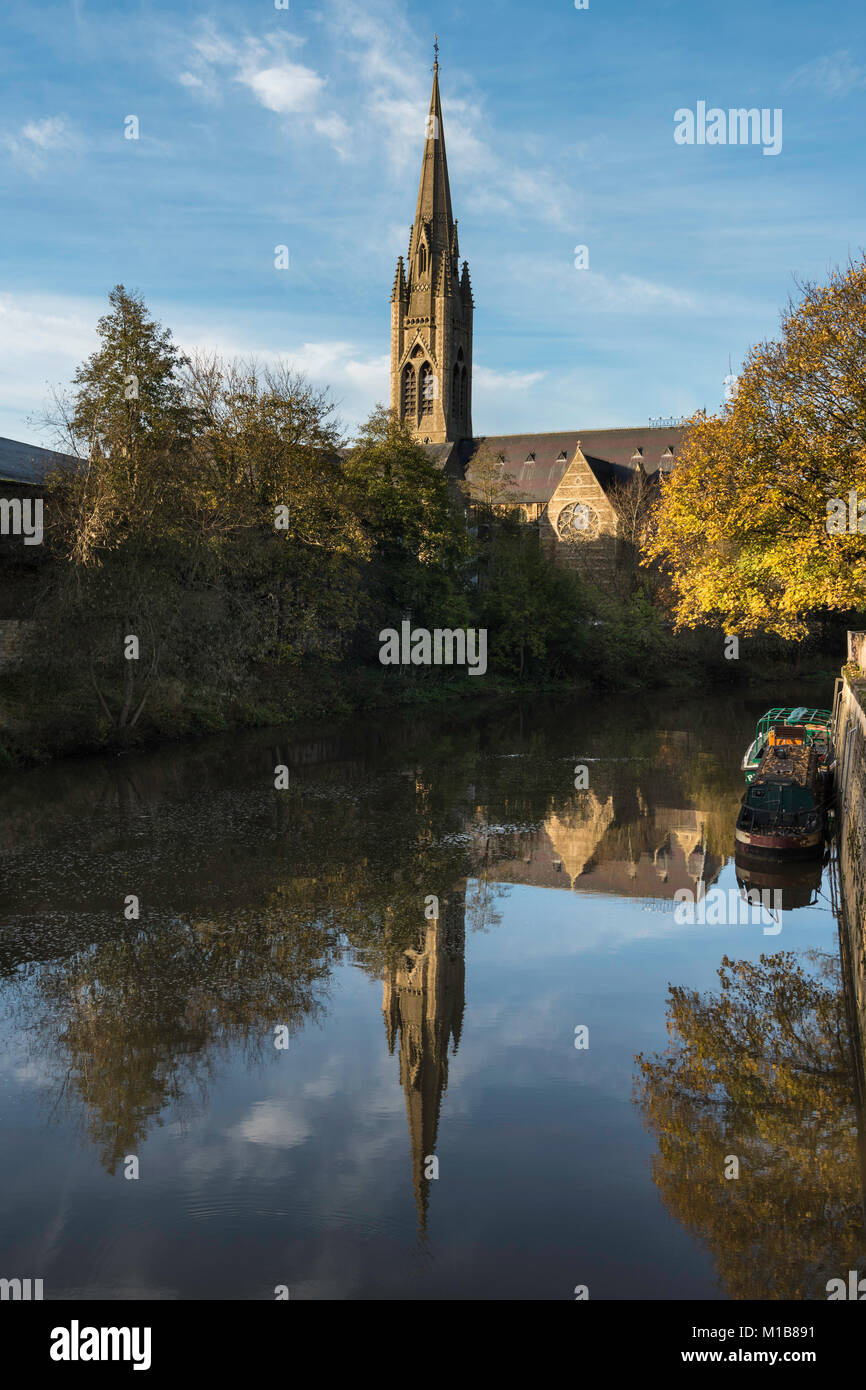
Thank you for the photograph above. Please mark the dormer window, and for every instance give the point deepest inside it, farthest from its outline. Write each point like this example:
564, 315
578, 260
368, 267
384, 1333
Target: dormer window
561, 457
637, 456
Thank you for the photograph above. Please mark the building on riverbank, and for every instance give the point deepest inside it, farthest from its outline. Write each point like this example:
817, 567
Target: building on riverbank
24, 469
561, 481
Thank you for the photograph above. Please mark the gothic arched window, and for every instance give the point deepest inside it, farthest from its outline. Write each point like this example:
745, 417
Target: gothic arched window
409, 397
422, 259
463, 389
428, 389
455, 392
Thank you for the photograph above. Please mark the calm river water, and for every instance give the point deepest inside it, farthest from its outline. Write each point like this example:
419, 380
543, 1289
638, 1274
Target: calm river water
327, 1082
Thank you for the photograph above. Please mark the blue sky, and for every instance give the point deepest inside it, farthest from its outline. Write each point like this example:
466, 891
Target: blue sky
304, 127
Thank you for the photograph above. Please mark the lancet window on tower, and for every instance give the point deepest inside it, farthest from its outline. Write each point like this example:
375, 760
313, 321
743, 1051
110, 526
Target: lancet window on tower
422, 259
428, 389
409, 392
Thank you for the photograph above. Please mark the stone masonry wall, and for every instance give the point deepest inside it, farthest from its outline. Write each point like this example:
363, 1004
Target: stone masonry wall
851, 833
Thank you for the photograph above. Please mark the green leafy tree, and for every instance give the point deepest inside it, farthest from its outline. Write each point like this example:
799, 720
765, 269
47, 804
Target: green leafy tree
535, 611
416, 529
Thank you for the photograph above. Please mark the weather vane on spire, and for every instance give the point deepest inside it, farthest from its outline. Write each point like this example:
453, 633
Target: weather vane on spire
435, 50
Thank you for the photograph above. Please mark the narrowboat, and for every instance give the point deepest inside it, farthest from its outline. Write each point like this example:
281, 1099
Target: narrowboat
792, 725
784, 809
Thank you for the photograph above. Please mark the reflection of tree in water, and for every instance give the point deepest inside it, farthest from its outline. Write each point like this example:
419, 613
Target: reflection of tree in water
481, 899
762, 1071
142, 1019
141, 1016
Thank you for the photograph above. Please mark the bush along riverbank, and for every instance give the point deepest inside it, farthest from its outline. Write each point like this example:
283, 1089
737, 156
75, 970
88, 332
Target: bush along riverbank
48, 713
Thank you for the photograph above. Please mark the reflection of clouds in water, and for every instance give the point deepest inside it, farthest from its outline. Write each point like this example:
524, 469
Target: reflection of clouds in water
322, 1089
544, 1026
17, 1067
270, 1122
578, 922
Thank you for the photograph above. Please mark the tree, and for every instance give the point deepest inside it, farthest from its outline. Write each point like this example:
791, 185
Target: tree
120, 520
488, 487
535, 610
742, 527
208, 538
417, 532
127, 420
633, 502
277, 504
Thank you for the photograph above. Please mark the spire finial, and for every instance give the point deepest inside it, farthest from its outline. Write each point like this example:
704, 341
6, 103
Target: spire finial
435, 52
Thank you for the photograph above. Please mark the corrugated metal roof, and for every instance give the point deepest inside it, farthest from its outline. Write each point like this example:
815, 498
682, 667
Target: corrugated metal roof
28, 463
537, 462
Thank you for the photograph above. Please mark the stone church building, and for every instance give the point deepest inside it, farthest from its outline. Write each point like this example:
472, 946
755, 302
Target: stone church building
561, 480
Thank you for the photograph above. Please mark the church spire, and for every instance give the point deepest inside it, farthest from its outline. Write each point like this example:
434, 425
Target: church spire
433, 210
431, 320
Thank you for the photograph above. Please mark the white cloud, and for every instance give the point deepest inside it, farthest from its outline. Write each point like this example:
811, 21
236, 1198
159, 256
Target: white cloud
489, 380
277, 83
335, 129
35, 139
555, 280
284, 88
42, 340
834, 75
46, 134
629, 292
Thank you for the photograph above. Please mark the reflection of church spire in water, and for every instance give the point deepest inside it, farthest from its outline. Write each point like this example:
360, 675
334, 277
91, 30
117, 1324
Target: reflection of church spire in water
423, 999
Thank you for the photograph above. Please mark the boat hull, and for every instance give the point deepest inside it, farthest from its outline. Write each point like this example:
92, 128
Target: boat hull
802, 846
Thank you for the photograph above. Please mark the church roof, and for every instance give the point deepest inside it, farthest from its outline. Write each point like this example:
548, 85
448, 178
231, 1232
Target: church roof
440, 454
537, 462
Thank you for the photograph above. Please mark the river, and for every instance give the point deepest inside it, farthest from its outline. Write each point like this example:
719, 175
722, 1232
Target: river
399, 1029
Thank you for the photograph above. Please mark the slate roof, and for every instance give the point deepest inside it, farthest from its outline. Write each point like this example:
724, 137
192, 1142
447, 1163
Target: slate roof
439, 454
28, 463
538, 461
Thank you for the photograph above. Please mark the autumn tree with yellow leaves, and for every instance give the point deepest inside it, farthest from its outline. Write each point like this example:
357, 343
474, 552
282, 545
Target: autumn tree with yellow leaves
749, 528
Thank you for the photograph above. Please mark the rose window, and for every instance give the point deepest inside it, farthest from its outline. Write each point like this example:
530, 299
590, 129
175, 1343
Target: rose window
577, 522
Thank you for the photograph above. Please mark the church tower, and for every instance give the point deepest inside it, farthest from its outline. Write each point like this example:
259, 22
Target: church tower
431, 307
423, 1000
